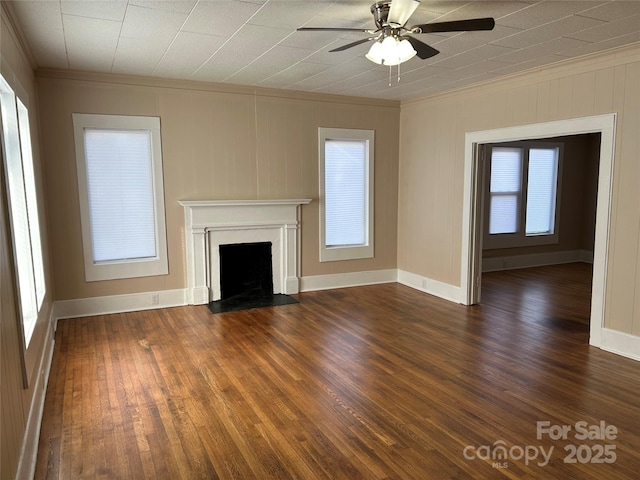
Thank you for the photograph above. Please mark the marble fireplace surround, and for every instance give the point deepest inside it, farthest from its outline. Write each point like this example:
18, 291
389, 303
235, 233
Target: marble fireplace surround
211, 223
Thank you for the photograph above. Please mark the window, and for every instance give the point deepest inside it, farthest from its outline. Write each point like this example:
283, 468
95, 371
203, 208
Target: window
346, 193
523, 194
121, 196
23, 207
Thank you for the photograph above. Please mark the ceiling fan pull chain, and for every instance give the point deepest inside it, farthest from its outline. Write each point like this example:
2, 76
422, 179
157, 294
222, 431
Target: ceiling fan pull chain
398, 73
389, 75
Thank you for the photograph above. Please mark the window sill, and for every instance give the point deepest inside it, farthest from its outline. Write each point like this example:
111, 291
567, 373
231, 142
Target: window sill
335, 254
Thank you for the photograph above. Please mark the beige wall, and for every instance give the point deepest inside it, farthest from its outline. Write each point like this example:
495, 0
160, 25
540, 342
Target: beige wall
16, 401
219, 142
579, 185
432, 133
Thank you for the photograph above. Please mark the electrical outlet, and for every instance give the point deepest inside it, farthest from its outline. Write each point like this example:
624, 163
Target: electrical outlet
155, 299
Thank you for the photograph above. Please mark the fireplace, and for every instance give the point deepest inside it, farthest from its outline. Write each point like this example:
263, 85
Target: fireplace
212, 224
245, 268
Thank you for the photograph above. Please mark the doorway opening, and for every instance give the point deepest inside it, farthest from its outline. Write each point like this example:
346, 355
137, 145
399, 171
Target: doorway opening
539, 214
471, 268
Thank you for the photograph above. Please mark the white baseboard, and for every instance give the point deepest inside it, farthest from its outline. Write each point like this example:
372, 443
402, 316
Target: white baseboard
87, 307
620, 343
443, 290
30, 442
352, 279
586, 256
495, 264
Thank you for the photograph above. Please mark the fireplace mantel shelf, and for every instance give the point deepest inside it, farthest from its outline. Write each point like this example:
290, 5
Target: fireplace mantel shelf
211, 223
231, 203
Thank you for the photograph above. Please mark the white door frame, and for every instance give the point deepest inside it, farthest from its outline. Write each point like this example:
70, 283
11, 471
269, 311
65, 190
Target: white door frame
471, 249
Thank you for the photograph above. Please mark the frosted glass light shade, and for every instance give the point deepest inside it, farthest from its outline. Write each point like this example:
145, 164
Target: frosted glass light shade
405, 51
390, 51
375, 53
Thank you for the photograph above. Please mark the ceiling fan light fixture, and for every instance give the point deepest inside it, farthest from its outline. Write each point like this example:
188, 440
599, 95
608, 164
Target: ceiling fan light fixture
391, 51
376, 53
405, 50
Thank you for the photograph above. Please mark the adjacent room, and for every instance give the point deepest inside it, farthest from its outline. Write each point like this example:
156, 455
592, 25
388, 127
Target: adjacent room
320, 239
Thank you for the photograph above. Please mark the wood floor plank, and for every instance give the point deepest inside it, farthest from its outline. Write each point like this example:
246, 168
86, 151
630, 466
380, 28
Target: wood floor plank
376, 382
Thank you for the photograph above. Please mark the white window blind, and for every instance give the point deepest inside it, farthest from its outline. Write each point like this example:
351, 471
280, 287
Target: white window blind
23, 207
345, 192
505, 188
120, 190
541, 191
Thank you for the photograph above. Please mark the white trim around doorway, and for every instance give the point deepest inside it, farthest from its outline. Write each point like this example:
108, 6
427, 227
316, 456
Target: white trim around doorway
471, 248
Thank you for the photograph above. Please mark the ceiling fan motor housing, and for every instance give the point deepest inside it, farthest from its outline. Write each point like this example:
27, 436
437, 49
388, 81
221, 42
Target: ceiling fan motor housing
380, 11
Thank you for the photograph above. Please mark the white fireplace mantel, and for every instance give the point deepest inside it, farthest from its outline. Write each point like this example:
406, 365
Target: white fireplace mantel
211, 223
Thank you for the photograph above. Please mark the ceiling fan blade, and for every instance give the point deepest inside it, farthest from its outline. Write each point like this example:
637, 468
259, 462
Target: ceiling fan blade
400, 11
333, 29
422, 49
471, 25
352, 44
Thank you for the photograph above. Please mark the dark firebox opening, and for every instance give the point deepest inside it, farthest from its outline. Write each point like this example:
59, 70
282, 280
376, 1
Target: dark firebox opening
245, 268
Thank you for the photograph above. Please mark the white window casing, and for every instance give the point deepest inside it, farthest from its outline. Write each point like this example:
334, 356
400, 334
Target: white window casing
120, 184
23, 208
346, 158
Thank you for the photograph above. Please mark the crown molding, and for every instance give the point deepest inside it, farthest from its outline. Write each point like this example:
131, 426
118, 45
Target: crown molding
8, 13
142, 81
571, 66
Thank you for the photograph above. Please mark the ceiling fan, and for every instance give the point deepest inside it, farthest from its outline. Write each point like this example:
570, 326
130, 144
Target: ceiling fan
393, 44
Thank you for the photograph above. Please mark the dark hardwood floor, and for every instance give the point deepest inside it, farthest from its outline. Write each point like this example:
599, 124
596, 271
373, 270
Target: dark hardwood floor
370, 382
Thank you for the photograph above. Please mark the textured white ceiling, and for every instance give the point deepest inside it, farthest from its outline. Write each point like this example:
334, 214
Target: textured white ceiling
255, 42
